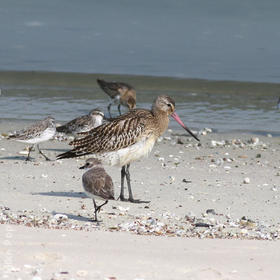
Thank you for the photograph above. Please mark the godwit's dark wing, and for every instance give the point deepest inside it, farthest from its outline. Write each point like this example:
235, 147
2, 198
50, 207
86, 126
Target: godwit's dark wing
120, 133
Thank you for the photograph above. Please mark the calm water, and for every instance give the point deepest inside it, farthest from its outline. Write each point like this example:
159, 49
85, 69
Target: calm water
217, 39
180, 39
224, 106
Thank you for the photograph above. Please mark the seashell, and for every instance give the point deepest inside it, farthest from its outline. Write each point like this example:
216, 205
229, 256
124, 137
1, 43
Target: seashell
123, 209
60, 217
171, 179
246, 180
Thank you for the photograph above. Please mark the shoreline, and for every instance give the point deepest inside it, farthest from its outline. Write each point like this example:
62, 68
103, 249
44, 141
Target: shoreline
72, 80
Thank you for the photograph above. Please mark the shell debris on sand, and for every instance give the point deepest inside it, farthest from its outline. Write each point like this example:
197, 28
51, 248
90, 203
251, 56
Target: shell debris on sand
165, 224
168, 214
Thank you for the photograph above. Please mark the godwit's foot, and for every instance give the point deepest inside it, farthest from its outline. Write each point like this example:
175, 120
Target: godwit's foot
95, 221
132, 200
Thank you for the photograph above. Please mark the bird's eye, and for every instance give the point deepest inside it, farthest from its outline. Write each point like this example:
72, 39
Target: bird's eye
169, 105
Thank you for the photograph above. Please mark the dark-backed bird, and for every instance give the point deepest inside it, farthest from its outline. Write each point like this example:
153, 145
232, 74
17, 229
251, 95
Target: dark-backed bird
119, 93
83, 123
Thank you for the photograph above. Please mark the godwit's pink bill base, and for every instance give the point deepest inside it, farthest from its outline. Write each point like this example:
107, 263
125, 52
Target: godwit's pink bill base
179, 121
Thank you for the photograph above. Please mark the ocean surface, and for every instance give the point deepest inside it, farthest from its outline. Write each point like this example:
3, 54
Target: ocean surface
222, 106
218, 59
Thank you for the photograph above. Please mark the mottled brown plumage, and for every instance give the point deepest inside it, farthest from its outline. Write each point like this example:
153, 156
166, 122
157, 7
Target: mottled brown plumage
39, 132
120, 93
128, 137
83, 123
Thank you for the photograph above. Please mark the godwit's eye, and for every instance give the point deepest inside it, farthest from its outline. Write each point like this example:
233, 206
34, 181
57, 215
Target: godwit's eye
169, 105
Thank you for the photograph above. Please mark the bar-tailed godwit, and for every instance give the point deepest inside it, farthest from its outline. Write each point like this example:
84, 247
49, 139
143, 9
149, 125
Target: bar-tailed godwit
97, 183
83, 123
120, 93
40, 131
127, 138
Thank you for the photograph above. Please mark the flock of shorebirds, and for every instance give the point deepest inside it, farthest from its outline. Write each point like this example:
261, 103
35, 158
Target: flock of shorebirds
115, 141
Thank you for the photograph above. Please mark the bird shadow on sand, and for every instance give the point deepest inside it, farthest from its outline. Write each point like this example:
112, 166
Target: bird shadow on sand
74, 217
56, 150
64, 194
23, 158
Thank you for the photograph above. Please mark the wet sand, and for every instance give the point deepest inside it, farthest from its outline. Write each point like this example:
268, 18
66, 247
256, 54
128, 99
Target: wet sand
225, 188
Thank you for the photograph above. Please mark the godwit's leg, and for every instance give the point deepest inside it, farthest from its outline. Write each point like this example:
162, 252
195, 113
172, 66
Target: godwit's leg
109, 109
122, 183
127, 175
46, 158
119, 108
29, 151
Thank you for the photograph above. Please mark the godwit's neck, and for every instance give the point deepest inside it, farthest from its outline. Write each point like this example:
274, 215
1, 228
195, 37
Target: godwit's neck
161, 120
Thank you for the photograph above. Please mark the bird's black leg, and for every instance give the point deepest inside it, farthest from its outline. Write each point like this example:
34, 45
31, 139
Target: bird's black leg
122, 183
109, 110
29, 151
127, 175
95, 211
46, 158
130, 196
119, 108
99, 207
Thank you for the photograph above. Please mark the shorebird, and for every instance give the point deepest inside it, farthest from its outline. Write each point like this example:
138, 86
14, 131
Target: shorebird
127, 138
120, 93
83, 123
97, 183
40, 131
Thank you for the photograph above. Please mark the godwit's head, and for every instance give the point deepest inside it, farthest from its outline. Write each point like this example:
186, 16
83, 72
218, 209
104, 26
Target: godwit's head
91, 163
166, 105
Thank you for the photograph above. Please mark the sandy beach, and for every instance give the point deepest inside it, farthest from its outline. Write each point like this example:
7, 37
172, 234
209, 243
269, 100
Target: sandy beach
213, 212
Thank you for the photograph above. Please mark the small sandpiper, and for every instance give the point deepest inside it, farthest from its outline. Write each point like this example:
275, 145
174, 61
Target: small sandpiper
120, 93
83, 123
40, 131
97, 183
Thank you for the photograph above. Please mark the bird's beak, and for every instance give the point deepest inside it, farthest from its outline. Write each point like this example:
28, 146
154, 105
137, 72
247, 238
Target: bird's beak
82, 167
178, 120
